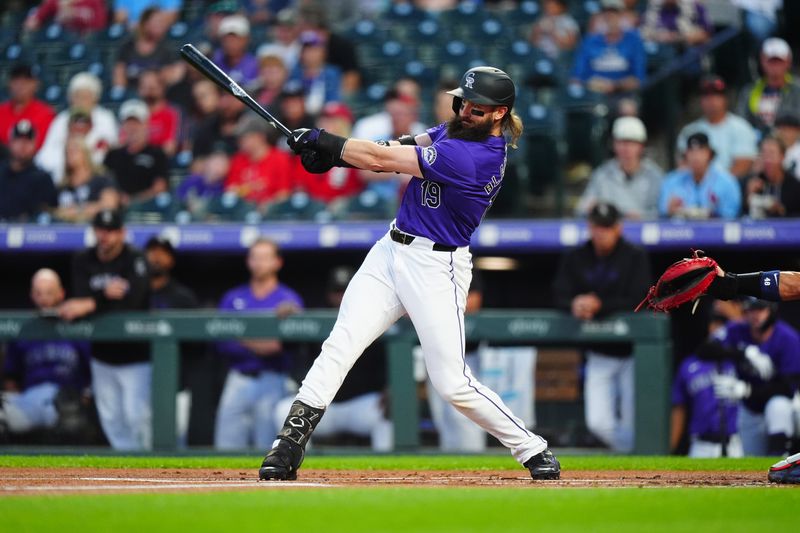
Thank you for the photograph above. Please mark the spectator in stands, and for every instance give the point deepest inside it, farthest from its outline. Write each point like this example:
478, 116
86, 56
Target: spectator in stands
760, 17
341, 52
360, 406
772, 192
107, 277
443, 101
555, 31
775, 93
700, 190
129, 12
272, 76
321, 81
232, 55
629, 180
629, 15
338, 183
257, 367
220, 126
399, 117
36, 371
286, 38
164, 122
85, 189
81, 16
612, 62
787, 128
209, 182
144, 50
605, 275
83, 93
139, 168
676, 22
292, 110
27, 190
733, 139
23, 104
260, 173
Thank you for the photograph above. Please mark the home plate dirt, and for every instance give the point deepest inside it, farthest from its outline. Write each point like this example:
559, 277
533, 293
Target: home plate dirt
115, 480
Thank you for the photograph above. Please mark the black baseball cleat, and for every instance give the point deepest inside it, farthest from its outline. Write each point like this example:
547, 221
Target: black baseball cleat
786, 471
544, 465
282, 461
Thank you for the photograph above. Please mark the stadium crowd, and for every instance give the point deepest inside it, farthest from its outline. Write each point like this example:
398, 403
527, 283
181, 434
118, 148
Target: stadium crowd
138, 135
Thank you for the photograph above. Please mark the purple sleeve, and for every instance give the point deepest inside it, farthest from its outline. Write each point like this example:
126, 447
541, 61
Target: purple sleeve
12, 368
790, 362
702, 19
445, 162
436, 132
679, 388
231, 348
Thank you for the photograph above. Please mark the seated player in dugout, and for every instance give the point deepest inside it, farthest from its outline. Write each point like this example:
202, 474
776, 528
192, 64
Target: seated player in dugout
421, 267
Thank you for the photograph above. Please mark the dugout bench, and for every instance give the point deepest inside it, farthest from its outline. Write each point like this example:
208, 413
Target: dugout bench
648, 332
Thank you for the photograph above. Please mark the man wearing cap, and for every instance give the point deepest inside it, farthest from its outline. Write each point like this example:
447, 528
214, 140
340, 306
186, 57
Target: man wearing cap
731, 136
83, 94
612, 62
112, 276
321, 81
232, 55
605, 275
629, 180
787, 129
765, 390
27, 190
259, 173
340, 51
700, 189
23, 104
139, 168
776, 92
286, 43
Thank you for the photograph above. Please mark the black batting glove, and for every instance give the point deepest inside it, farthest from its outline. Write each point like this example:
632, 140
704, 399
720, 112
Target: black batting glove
304, 139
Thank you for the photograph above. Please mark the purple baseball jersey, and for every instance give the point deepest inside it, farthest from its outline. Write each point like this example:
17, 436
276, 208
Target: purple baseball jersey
65, 363
693, 388
242, 299
461, 180
783, 346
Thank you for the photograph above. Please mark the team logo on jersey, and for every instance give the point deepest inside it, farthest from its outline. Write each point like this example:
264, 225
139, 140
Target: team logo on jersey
469, 80
429, 154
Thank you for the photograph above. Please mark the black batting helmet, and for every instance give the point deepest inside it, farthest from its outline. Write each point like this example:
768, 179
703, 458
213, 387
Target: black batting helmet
484, 85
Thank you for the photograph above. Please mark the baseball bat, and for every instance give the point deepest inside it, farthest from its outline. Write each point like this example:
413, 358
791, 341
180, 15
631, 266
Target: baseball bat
210, 70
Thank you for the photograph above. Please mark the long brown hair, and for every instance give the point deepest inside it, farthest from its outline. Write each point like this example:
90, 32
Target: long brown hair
511, 125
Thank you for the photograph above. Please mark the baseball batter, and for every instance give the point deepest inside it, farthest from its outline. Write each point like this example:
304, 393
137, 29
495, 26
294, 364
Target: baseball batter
421, 267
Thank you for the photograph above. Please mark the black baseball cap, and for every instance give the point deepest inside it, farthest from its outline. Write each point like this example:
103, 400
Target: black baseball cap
22, 70
108, 219
752, 303
339, 278
158, 241
23, 130
604, 214
712, 85
791, 120
698, 140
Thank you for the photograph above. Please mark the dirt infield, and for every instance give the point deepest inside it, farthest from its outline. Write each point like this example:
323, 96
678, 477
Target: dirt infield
108, 480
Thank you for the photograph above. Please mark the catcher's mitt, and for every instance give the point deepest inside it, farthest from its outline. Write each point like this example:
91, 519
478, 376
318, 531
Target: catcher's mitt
684, 281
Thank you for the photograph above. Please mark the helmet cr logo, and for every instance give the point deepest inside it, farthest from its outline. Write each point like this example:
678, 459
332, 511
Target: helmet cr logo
469, 79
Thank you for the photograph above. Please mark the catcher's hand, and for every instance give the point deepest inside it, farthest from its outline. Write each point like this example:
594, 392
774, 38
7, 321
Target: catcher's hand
684, 281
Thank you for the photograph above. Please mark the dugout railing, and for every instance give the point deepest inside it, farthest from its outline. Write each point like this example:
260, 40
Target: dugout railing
648, 333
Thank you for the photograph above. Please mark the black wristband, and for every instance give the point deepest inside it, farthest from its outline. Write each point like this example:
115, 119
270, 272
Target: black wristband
733, 285
407, 140
333, 144
749, 284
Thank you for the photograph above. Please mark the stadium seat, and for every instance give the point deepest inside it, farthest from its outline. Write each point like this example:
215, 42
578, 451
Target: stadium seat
231, 208
365, 206
161, 208
299, 206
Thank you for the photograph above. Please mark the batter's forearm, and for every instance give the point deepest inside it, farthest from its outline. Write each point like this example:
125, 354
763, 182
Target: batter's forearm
371, 156
790, 285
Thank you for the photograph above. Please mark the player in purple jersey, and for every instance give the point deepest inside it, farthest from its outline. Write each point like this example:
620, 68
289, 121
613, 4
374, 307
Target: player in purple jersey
36, 371
256, 378
766, 419
422, 267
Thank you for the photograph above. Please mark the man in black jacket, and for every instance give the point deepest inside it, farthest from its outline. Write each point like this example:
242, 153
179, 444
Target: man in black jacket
605, 275
25, 189
112, 276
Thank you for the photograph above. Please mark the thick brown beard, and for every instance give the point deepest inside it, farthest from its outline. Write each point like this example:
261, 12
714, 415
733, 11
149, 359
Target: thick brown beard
479, 132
